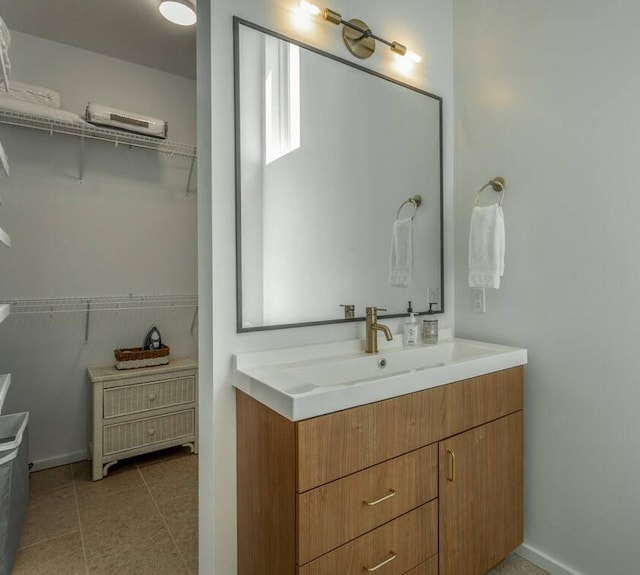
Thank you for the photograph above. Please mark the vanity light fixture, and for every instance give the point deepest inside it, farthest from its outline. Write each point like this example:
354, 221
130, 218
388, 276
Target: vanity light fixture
356, 34
181, 12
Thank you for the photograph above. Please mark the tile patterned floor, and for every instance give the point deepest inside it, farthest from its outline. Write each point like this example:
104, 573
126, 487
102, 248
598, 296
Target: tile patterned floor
516, 565
142, 519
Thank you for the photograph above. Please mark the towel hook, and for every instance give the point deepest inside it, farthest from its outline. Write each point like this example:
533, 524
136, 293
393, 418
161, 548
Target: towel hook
498, 185
415, 200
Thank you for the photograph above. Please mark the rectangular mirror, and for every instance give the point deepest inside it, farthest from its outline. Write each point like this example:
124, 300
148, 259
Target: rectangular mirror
327, 155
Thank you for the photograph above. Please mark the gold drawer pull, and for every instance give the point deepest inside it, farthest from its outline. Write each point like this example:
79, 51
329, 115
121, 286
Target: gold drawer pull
389, 559
451, 475
389, 495
152, 396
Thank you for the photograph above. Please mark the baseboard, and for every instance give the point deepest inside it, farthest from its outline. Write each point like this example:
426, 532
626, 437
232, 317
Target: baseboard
58, 461
543, 561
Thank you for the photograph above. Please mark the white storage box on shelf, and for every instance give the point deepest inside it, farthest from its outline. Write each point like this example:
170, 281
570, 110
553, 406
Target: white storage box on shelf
14, 484
139, 123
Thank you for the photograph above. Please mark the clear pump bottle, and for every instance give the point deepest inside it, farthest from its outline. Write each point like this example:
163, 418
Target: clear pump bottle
411, 334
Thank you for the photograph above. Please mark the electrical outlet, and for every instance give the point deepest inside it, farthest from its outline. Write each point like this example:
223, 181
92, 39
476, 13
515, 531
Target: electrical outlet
433, 296
478, 301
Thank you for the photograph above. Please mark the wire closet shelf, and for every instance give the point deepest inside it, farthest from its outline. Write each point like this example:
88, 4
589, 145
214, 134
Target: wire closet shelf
116, 137
100, 303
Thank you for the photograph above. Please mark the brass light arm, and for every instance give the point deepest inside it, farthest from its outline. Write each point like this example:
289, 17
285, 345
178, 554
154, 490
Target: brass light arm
361, 45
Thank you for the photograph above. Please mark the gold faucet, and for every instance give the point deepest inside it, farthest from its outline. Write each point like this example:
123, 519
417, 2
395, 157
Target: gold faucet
371, 344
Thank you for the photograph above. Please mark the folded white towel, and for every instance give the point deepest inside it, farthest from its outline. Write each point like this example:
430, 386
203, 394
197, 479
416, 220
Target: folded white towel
401, 268
31, 93
486, 247
11, 104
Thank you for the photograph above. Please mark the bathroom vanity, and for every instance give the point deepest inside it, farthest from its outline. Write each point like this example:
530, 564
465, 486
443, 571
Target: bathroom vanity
421, 482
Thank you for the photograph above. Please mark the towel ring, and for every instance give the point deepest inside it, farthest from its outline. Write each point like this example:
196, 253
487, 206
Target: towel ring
415, 200
498, 185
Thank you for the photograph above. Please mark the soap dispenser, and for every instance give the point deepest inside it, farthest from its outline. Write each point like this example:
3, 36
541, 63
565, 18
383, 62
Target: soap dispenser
430, 327
411, 334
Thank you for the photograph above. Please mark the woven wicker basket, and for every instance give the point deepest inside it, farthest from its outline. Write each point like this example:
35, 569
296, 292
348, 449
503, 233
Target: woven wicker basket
133, 357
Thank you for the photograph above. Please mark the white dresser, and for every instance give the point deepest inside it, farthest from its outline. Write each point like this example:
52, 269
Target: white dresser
141, 410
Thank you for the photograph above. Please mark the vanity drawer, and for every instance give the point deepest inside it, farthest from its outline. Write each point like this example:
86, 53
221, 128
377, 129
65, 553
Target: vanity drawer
410, 480
410, 539
143, 432
338, 444
129, 399
429, 567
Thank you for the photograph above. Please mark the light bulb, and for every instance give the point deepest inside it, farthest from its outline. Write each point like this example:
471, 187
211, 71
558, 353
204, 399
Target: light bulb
413, 57
180, 13
309, 8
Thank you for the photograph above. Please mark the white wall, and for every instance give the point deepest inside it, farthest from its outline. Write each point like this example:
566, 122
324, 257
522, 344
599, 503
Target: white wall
547, 96
427, 27
128, 228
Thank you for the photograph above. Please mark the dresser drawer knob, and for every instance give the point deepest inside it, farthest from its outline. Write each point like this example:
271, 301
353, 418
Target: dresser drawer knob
152, 396
389, 495
151, 432
389, 559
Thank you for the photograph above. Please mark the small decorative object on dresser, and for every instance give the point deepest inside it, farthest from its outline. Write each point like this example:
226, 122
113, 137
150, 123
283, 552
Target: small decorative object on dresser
152, 352
142, 410
153, 339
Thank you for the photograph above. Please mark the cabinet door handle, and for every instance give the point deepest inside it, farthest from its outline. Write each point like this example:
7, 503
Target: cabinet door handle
389, 495
451, 474
391, 557
151, 432
152, 396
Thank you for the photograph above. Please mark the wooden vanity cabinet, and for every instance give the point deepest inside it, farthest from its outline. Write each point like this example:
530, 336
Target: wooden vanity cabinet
480, 496
414, 485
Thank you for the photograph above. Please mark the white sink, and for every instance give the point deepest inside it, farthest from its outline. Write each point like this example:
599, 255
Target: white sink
309, 381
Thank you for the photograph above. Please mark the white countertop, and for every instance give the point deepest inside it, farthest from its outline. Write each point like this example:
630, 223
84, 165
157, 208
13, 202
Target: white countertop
309, 381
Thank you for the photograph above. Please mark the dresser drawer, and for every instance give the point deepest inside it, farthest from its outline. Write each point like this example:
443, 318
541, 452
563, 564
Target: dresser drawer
363, 501
129, 399
338, 444
404, 543
143, 432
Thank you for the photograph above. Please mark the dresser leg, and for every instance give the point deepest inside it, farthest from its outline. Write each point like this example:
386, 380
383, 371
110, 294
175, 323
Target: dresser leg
96, 469
107, 466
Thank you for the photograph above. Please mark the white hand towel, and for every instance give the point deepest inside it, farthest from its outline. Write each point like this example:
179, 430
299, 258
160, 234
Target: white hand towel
401, 268
486, 247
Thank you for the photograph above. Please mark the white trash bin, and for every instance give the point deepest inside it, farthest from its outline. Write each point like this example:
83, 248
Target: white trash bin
14, 485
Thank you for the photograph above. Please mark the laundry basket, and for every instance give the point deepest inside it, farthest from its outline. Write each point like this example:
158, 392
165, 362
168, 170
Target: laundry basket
14, 484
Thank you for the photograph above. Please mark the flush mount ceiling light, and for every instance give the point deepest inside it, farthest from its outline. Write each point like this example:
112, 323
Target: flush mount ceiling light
356, 34
179, 12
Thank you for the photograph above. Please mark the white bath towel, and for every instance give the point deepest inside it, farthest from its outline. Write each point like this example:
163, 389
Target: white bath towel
486, 247
401, 268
